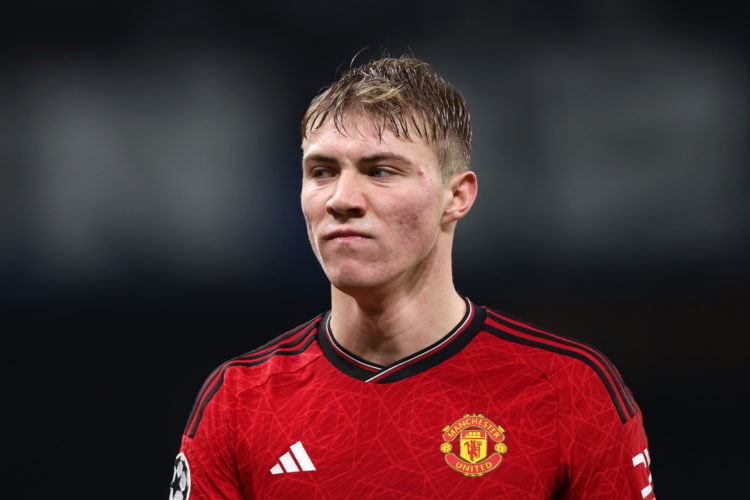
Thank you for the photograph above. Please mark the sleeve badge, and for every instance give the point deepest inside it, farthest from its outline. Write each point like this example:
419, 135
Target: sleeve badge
179, 489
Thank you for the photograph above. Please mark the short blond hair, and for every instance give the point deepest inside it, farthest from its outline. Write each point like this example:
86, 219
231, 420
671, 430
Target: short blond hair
406, 96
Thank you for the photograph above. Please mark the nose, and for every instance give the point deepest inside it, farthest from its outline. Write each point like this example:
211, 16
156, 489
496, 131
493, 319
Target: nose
347, 199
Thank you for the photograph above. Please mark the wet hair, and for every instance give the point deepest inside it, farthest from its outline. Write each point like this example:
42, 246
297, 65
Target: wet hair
406, 96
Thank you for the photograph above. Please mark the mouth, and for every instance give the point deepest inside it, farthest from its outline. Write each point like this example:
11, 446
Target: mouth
345, 234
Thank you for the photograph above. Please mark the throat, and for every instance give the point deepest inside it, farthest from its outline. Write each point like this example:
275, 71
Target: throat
390, 336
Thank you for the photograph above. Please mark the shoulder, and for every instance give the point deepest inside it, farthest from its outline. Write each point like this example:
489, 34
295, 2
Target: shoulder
285, 353
574, 367
282, 350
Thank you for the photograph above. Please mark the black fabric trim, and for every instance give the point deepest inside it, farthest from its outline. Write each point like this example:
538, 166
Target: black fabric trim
252, 358
623, 390
454, 347
415, 368
336, 359
625, 412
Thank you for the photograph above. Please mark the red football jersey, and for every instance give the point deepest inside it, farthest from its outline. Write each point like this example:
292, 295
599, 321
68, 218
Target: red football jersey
496, 409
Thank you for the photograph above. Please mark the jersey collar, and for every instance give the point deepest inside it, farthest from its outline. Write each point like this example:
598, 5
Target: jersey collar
430, 356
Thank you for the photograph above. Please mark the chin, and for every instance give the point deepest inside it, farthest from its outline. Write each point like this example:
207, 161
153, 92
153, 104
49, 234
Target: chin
351, 284
354, 281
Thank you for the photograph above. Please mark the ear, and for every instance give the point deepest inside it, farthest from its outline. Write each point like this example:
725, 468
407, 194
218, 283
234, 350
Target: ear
461, 193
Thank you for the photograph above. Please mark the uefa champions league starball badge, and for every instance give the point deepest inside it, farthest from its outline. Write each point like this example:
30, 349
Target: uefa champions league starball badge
179, 489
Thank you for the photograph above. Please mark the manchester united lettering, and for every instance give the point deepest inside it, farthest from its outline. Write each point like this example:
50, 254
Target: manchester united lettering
467, 448
452, 430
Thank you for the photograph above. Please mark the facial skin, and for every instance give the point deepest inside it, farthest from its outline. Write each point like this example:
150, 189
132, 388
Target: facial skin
379, 216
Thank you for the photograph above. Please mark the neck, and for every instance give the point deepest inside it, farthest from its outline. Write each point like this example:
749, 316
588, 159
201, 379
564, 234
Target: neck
385, 327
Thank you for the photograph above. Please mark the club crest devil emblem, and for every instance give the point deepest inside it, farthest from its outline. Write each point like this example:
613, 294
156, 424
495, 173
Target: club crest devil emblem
473, 445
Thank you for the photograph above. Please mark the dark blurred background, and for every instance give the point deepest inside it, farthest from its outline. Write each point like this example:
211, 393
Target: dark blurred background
150, 229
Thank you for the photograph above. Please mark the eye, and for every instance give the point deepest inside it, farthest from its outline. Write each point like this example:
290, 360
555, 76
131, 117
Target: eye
380, 172
321, 173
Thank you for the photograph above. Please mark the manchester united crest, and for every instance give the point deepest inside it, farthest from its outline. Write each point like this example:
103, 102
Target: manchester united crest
473, 445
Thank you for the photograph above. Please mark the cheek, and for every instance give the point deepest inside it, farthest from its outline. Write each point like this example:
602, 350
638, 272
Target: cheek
308, 203
410, 221
309, 216
416, 220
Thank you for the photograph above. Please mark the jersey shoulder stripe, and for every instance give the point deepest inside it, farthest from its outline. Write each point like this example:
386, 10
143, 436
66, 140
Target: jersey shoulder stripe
523, 333
291, 342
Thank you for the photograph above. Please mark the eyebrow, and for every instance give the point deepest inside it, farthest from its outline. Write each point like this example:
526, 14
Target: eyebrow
366, 159
384, 156
318, 157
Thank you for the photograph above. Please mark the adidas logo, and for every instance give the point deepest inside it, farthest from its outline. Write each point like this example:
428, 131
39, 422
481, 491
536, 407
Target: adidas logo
300, 461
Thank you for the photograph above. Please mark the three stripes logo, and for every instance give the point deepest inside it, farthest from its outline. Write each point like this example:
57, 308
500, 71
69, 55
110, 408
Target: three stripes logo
295, 460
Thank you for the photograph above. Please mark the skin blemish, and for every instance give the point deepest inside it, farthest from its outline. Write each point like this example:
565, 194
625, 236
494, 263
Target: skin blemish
413, 222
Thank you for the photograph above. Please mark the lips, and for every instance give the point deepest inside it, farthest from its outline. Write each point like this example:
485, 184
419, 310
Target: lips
345, 233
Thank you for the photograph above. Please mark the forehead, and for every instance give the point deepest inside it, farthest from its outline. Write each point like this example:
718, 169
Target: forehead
360, 136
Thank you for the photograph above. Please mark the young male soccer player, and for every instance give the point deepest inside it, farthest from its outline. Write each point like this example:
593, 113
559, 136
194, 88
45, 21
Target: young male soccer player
406, 389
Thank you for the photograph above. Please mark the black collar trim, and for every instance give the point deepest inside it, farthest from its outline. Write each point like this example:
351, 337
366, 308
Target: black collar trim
432, 355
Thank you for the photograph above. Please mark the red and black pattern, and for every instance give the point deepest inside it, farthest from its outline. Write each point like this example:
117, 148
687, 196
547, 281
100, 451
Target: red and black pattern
570, 427
290, 343
523, 333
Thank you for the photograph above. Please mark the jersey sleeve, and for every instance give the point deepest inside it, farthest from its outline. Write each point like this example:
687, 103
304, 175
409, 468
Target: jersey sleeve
604, 445
206, 460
